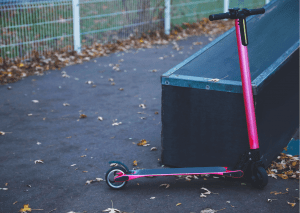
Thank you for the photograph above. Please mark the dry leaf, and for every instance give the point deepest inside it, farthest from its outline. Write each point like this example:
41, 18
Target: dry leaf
83, 156
25, 208
143, 106
135, 163
152, 198
178, 204
291, 204
153, 148
113, 83
121, 89
15, 202
2, 133
35, 101
29, 114
82, 116
38, 161
84, 171
197, 43
73, 165
142, 142
156, 113
89, 82
100, 118
110, 79
165, 184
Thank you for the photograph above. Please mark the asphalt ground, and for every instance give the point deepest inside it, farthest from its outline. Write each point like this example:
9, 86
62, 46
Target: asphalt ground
64, 138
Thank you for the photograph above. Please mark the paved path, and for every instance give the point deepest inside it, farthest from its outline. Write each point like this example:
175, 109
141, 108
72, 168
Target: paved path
64, 139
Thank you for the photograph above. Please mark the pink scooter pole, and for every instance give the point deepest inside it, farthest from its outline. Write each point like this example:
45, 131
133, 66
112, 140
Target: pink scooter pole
247, 87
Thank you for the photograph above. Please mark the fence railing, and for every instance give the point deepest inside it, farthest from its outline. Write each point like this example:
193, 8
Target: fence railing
43, 26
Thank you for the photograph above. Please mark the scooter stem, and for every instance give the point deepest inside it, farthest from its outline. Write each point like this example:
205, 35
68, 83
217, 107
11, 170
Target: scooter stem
247, 87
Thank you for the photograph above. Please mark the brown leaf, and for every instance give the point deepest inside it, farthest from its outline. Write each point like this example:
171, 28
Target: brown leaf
82, 116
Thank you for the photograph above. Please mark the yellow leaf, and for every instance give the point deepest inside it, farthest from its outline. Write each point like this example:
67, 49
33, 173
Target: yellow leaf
141, 40
292, 204
178, 204
25, 208
135, 163
142, 142
21, 65
285, 148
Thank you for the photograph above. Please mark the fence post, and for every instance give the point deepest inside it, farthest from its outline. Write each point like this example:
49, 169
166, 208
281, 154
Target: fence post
76, 26
167, 17
226, 7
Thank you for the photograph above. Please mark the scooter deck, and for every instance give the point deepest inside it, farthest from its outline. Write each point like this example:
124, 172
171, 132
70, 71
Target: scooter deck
180, 171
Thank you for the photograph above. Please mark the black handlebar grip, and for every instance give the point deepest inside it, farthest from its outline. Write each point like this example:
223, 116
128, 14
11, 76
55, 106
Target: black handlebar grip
219, 16
257, 11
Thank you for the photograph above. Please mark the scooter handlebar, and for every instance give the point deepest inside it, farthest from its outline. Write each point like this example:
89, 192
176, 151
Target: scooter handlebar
257, 11
235, 14
219, 16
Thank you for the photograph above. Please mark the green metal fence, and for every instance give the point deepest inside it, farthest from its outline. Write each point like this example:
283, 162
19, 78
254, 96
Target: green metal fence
32, 25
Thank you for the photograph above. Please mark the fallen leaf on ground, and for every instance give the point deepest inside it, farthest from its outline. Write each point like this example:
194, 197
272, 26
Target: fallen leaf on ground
142, 142
116, 124
29, 114
113, 83
91, 181
165, 184
25, 208
143, 106
153, 148
135, 163
38, 143
15, 202
152, 198
66, 104
291, 204
278, 193
178, 204
83, 156
112, 210
82, 116
197, 43
73, 165
38, 161
121, 89
156, 113
84, 171
2, 133
35, 101
100, 118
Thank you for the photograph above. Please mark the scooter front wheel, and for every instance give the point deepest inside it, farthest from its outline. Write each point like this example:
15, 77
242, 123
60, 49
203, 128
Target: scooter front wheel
111, 174
260, 178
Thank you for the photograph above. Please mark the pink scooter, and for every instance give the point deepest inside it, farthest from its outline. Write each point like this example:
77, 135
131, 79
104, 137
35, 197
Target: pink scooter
249, 165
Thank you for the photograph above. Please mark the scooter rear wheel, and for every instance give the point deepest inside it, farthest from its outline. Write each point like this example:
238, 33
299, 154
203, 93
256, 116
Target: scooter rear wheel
260, 178
111, 174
